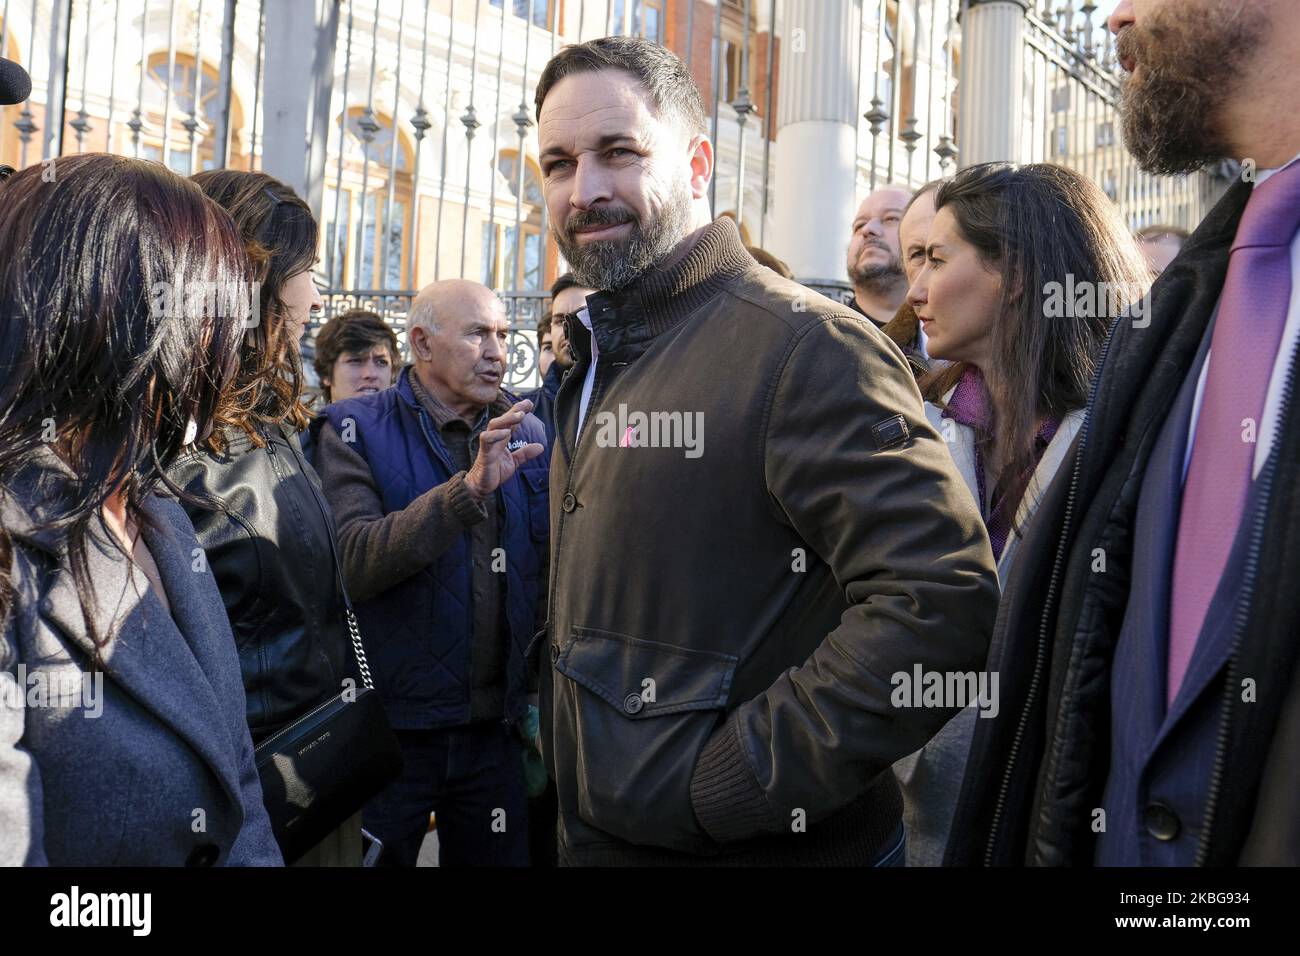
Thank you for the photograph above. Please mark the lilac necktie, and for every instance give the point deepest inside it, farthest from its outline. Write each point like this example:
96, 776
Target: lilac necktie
1247, 333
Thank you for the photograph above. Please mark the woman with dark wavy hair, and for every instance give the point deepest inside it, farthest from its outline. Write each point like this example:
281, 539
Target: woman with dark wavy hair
264, 526
1025, 269
122, 734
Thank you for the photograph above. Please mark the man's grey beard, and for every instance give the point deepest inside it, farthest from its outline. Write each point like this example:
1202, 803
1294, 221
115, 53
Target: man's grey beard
880, 279
615, 263
1190, 63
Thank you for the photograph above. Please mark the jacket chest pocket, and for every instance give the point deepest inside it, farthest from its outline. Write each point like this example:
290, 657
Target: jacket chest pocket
638, 713
537, 486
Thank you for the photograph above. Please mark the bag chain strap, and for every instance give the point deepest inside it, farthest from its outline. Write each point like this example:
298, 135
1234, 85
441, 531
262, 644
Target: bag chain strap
353, 630
359, 650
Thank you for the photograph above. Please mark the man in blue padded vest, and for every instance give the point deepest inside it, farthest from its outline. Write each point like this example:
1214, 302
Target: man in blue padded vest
439, 488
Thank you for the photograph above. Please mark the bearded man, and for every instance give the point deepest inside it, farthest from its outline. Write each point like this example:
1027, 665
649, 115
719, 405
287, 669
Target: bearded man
874, 261
755, 531
1147, 639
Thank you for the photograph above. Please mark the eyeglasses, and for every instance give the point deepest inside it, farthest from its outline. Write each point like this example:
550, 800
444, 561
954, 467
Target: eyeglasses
564, 317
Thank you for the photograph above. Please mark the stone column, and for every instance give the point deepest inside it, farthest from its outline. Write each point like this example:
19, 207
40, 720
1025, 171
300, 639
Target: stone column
321, 103
56, 84
991, 90
293, 39
813, 185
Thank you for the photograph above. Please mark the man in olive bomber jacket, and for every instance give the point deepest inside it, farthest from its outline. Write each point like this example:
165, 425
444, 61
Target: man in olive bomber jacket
754, 530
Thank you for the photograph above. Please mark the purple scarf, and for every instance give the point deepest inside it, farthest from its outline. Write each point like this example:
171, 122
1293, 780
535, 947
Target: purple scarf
972, 406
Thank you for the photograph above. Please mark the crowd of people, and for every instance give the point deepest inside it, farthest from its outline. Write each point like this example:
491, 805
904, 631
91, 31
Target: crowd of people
979, 568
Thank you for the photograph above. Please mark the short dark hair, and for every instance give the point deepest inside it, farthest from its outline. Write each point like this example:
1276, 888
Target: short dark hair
661, 74
932, 186
566, 281
356, 331
543, 328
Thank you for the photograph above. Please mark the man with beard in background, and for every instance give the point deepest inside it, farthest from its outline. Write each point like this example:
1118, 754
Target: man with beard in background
875, 261
1150, 705
725, 618
567, 298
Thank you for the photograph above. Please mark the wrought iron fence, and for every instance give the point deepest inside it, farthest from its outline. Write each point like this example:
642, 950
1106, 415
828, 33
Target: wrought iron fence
1071, 113
525, 310
421, 123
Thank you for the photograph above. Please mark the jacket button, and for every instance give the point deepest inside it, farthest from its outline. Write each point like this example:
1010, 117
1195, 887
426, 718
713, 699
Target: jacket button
555, 653
1161, 822
633, 703
570, 502
205, 855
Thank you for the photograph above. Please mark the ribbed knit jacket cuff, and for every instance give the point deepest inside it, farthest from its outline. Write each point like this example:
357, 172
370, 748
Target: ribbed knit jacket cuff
729, 804
463, 504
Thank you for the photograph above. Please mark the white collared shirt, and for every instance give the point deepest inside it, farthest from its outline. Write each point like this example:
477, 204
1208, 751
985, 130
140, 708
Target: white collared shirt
585, 318
1270, 421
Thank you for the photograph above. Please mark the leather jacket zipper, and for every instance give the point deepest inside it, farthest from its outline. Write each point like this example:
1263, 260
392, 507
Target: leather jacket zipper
270, 450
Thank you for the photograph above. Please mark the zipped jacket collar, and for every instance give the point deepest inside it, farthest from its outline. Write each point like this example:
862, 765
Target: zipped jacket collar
626, 321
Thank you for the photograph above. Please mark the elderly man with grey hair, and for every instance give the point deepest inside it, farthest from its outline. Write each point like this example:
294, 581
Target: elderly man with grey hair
439, 490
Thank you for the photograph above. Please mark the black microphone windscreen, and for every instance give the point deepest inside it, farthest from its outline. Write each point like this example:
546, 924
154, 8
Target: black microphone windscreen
15, 83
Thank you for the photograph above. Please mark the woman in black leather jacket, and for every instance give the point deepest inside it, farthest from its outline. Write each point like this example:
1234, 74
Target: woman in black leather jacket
267, 533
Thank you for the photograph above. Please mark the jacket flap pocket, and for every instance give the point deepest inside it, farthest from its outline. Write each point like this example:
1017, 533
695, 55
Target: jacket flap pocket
537, 479
646, 678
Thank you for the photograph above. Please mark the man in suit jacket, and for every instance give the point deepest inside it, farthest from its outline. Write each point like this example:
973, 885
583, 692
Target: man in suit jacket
154, 765
1150, 698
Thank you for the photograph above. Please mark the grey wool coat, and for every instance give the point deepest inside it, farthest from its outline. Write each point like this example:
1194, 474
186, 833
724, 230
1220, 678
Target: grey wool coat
156, 769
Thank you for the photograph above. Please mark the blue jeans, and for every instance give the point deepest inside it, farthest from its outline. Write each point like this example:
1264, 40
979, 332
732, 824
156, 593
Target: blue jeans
473, 778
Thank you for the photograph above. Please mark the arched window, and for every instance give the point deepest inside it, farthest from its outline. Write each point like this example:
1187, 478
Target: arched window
367, 150
503, 267
639, 18
181, 90
541, 10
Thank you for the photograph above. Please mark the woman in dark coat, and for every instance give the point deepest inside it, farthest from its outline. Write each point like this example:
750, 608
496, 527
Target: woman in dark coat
122, 733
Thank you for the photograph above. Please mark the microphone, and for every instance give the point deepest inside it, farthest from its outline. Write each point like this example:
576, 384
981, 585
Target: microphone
15, 83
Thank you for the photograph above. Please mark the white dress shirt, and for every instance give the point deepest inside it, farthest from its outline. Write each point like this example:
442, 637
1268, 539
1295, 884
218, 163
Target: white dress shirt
585, 318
